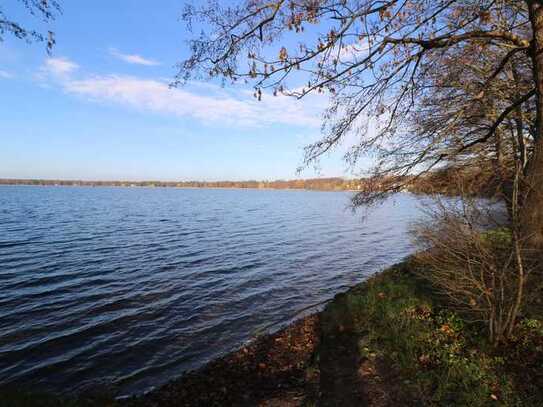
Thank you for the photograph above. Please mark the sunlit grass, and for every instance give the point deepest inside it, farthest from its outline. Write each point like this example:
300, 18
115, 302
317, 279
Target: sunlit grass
442, 359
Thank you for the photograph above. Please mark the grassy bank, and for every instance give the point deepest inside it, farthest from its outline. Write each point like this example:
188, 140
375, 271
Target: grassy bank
390, 341
424, 354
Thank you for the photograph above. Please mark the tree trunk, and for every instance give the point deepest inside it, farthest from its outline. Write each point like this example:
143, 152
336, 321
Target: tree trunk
532, 212
521, 145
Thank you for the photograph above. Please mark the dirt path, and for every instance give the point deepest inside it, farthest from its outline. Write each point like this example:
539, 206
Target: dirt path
341, 385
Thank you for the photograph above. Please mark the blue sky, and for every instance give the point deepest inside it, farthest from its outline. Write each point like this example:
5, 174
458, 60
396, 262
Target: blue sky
99, 107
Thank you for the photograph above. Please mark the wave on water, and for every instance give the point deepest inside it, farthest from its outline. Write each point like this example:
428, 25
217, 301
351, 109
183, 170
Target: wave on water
132, 287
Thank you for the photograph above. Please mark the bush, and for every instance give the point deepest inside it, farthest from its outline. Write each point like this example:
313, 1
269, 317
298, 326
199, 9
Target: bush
481, 272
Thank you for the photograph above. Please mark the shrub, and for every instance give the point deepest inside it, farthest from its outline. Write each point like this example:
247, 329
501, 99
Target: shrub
481, 272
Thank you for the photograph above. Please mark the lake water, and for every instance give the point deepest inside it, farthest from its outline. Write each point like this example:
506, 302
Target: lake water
130, 287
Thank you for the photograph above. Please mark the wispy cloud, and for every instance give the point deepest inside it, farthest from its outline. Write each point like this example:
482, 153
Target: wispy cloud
133, 58
353, 52
207, 103
213, 107
5, 74
58, 67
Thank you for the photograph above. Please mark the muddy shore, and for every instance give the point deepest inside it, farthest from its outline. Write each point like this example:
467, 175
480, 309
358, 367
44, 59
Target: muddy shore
313, 361
273, 370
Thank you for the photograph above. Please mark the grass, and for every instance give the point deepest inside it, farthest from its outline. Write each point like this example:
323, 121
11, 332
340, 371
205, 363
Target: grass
440, 359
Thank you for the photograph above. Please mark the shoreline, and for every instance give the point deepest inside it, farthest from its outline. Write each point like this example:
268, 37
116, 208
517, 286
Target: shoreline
269, 369
176, 187
275, 369
388, 341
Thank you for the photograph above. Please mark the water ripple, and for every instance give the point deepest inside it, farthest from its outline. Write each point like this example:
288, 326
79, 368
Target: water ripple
132, 287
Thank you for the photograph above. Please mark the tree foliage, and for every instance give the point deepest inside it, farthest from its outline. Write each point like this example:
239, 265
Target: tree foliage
418, 83
46, 10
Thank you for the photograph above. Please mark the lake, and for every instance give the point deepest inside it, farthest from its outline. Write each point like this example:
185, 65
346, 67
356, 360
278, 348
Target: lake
130, 287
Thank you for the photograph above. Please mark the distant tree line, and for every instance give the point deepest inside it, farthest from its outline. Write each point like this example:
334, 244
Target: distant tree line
444, 181
337, 184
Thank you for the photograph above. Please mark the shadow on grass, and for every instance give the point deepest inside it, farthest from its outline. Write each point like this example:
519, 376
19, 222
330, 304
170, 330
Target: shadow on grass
340, 361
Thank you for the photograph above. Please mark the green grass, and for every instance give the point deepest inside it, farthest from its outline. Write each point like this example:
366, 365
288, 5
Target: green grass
442, 360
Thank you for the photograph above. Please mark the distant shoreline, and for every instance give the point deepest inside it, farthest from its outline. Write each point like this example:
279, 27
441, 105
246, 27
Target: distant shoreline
163, 187
317, 184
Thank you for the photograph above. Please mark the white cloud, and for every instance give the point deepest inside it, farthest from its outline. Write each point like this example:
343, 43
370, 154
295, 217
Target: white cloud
57, 68
354, 52
217, 106
207, 103
133, 58
5, 74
